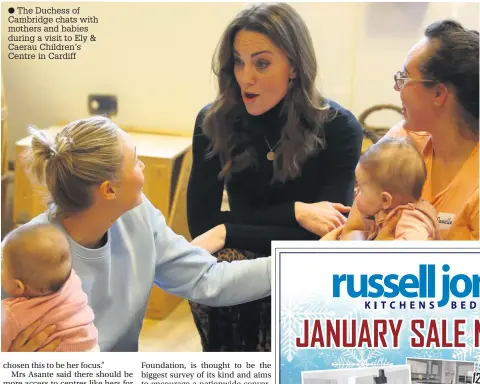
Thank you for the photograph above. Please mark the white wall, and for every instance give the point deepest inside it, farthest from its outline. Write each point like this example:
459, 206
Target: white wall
385, 33
156, 58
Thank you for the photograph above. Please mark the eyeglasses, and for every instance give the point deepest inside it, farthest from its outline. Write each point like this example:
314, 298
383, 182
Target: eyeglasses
401, 79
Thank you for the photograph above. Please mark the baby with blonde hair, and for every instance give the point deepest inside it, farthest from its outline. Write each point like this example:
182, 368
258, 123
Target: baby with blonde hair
37, 274
390, 177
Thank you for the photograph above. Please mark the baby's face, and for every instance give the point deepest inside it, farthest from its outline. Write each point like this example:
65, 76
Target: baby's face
369, 197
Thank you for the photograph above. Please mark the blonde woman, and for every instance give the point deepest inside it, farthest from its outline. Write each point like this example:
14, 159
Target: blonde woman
120, 242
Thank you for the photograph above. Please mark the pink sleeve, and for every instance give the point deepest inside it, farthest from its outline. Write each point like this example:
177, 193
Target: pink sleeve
9, 328
414, 225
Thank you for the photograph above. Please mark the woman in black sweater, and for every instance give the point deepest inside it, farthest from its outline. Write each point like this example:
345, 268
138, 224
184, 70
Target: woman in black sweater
285, 154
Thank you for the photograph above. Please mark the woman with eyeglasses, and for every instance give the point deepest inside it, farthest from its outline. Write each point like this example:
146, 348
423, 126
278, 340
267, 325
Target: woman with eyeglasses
438, 87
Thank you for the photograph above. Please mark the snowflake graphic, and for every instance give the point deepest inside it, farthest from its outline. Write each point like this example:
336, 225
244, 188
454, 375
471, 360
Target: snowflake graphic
327, 355
306, 360
476, 316
292, 317
431, 353
361, 358
467, 352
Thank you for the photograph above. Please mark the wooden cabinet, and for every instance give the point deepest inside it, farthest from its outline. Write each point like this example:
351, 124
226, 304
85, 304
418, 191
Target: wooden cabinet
167, 160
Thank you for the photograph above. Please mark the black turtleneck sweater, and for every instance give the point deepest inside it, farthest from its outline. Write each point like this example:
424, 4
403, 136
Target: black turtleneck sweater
261, 212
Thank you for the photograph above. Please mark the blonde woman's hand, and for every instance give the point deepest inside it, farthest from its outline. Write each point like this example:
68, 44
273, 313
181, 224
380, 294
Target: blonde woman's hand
333, 235
340, 234
320, 218
26, 343
213, 240
354, 236
355, 221
388, 230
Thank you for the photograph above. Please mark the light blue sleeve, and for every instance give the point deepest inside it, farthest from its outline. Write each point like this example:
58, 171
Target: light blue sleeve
193, 273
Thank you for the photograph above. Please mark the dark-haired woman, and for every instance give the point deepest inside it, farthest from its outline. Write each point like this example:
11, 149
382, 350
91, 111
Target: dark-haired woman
438, 87
285, 154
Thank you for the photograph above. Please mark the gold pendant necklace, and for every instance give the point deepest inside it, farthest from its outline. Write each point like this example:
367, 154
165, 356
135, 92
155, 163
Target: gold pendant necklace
271, 155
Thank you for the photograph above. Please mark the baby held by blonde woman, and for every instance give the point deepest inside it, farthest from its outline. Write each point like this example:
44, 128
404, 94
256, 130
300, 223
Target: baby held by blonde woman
37, 274
390, 176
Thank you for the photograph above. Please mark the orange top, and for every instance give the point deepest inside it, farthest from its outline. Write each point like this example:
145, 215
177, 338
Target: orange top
457, 204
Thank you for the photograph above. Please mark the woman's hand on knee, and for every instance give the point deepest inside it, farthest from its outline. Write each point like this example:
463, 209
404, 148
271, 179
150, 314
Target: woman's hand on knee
26, 343
320, 218
213, 240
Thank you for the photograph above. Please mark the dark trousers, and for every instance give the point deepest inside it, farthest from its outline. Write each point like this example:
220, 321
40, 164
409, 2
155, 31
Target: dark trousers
239, 328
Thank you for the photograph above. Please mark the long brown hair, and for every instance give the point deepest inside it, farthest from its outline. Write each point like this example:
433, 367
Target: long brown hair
304, 109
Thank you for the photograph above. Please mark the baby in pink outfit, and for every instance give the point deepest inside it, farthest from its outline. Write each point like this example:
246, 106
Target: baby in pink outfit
390, 177
37, 273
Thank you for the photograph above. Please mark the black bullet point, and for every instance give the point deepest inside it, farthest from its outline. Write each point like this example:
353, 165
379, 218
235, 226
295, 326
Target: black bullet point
11, 10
